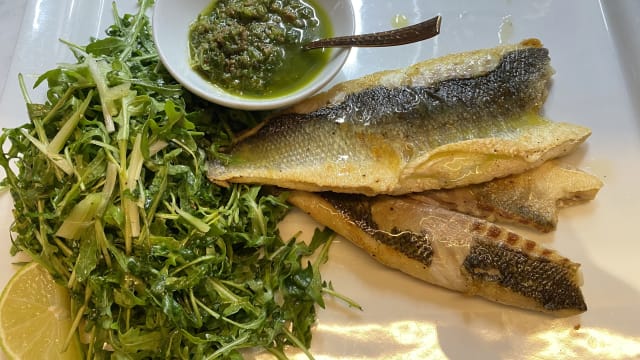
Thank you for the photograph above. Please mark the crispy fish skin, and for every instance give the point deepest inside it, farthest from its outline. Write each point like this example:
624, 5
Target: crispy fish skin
443, 123
532, 198
452, 250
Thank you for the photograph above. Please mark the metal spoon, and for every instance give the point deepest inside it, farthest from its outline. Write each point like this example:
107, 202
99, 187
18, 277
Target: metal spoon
409, 34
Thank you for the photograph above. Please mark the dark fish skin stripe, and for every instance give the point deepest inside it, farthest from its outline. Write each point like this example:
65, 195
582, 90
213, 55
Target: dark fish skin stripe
425, 117
353, 207
358, 210
549, 284
508, 86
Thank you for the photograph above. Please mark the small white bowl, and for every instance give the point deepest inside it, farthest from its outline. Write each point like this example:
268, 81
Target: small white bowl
171, 21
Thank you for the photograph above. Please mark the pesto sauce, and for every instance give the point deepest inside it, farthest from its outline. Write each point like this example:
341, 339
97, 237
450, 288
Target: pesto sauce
253, 48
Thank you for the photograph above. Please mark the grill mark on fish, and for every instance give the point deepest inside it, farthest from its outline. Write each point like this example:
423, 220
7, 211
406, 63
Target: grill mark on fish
512, 239
409, 130
494, 231
358, 210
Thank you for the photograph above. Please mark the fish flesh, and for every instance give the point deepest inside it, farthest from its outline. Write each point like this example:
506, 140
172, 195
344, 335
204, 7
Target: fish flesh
532, 198
451, 249
443, 123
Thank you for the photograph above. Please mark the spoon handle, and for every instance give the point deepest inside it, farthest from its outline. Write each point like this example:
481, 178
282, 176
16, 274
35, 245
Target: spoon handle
409, 34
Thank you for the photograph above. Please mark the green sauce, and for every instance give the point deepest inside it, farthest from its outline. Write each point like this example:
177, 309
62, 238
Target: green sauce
253, 47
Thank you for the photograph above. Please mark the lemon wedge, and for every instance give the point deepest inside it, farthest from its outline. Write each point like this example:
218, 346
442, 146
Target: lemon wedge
35, 318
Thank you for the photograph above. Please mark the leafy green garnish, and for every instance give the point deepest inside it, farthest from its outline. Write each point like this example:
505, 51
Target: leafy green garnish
111, 196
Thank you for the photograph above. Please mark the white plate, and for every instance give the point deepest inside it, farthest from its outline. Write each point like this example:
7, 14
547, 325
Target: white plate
595, 85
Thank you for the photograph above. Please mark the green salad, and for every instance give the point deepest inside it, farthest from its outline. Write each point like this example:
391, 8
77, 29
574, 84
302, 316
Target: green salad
109, 183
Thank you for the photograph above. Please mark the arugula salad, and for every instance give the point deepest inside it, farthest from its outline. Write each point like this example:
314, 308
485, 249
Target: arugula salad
110, 193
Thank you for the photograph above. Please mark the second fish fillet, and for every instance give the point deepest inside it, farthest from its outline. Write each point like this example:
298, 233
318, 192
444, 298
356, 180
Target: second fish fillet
452, 250
457, 120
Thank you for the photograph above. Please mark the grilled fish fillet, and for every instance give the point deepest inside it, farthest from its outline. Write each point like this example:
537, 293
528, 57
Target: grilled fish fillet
452, 250
531, 198
461, 119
